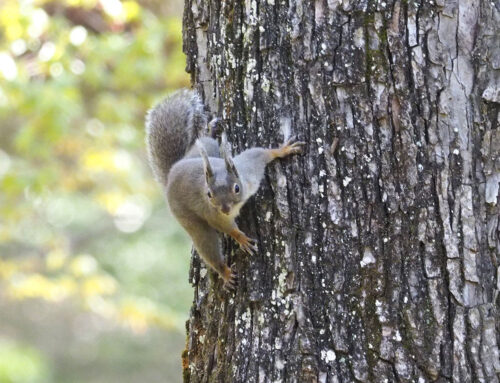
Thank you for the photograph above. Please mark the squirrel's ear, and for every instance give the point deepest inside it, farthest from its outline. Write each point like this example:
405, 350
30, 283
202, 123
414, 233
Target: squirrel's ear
206, 164
227, 155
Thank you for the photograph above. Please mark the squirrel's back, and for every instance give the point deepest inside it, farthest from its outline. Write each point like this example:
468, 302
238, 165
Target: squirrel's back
172, 127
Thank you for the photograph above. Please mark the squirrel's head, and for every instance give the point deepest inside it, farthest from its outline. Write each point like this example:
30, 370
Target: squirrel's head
224, 189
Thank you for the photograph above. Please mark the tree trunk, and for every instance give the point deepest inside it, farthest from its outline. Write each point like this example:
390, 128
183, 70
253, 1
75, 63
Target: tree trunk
379, 247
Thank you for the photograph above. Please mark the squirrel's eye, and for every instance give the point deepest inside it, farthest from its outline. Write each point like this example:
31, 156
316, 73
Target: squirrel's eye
236, 188
209, 195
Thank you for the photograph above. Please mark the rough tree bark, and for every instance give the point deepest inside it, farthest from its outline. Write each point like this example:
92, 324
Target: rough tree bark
379, 248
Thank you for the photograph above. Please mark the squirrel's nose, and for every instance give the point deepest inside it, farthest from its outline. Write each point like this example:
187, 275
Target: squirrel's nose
225, 209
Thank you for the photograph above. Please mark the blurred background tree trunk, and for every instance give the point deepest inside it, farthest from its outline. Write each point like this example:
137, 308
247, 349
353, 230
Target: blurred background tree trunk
379, 247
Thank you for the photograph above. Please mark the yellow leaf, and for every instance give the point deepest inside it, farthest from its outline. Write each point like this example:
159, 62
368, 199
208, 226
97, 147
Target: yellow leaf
134, 317
131, 9
7, 269
39, 286
99, 285
55, 260
98, 161
111, 201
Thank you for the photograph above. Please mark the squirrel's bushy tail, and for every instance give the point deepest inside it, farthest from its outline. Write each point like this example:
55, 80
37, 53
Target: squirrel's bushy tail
172, 127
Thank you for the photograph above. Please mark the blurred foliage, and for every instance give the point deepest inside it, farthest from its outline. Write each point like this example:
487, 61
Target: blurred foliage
81, 218
21, 364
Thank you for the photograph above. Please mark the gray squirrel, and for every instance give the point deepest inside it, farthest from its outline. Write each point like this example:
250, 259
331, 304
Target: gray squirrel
204, 185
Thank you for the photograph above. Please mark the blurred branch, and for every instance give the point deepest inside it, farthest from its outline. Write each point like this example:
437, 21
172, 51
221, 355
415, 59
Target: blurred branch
92, 19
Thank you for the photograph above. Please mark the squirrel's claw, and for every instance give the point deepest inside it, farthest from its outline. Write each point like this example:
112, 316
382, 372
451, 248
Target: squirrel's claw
291, 140
292, 146
229, 286
297, 147
253, 246
249, 245
230, 278
215, 127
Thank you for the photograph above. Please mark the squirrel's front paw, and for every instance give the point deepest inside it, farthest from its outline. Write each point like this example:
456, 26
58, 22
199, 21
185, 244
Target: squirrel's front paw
249, 245
215, 127
230, 278
292, 146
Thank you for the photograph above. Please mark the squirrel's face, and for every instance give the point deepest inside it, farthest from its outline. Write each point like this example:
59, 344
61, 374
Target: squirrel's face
225, 193
224, 187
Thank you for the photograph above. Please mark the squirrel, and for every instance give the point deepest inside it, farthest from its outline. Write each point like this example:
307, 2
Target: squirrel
205, 187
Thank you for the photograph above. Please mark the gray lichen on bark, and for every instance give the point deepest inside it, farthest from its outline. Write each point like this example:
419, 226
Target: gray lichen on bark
379, 248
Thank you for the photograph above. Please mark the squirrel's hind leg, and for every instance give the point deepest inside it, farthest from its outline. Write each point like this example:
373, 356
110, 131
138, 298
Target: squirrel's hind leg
206, 241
